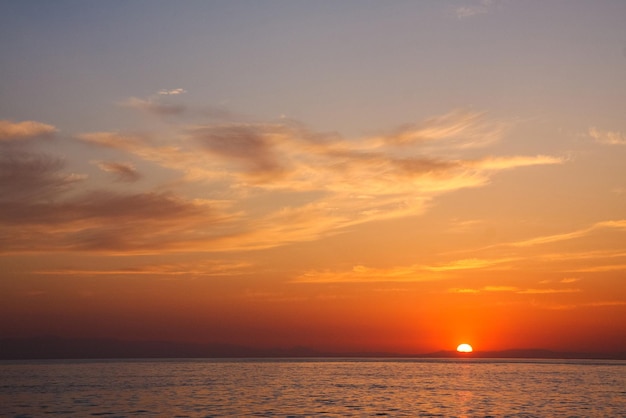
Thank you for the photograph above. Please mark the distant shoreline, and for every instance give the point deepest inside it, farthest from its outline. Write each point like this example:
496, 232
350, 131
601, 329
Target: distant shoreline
52, 347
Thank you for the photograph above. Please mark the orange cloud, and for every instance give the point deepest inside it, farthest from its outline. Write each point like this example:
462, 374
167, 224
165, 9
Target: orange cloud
547, 291
514, 289
188, 270
10, 131
412, 273
616, 224
326, 183
505, 163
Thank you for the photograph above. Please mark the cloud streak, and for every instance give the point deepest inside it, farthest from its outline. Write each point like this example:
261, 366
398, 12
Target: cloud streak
186, 270
123, 172
547, 239
607, 137
171, 92
412, 273
514, 289
155, 107
14, 131
472, 10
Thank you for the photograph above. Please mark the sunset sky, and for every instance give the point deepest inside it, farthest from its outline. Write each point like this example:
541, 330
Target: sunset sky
344, 175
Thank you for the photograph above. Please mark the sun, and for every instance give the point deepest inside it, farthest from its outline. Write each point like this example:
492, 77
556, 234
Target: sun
464, 348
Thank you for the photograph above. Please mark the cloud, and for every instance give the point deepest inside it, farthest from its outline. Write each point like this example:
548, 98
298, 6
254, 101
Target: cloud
158, 104
506, 163
598, 304
11, 131
607, 137
45, 208
155, 107
613, 224
513, 289
186, 270
599, 269
109, 222
163, 105
193, 163
130, 143
500, 289
412, 273
32, 176
461, 129
547, 291
171, 92
124, 172
463, 290
346, 182
250, 145
482, 7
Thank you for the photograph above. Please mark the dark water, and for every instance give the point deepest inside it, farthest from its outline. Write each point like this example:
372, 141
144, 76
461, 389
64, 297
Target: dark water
192, 388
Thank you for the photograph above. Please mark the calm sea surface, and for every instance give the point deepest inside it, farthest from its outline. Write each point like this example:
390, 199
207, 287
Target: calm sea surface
193, 388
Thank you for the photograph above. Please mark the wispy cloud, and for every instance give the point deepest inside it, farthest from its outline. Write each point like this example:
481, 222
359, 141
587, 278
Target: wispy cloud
327, 183
11, 131
464, 290
412, 273
598, 304
460, 128
475, 8
506, 163
186, 270
29, 176
157, 103
171, 92
251, 146
166, 103
599, 269
613, 224
124, 172
500, 289
154, 106
607, 137
513, 289
548, 291
46, 207
106, 222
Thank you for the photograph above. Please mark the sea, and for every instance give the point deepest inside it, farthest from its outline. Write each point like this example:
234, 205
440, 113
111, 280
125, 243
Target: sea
313, 387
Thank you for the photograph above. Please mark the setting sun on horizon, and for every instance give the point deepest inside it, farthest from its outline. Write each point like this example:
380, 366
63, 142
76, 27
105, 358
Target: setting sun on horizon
464, 348
339, 177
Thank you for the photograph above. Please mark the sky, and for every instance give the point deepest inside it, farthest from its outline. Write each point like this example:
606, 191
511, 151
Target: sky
391, 176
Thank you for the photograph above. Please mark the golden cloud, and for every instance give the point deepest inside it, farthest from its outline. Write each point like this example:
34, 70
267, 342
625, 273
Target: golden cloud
412, 273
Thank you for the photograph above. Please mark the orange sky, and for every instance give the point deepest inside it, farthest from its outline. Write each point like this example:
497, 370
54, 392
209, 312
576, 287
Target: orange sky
415, 176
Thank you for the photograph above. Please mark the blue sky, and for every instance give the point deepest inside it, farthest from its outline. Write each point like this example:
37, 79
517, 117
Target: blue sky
352, 67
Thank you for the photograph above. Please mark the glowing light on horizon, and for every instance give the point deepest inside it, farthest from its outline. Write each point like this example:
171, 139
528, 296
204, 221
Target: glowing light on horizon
464, 348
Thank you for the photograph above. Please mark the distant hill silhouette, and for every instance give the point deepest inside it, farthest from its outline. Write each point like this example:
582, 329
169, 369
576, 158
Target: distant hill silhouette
530, 353
52, 347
